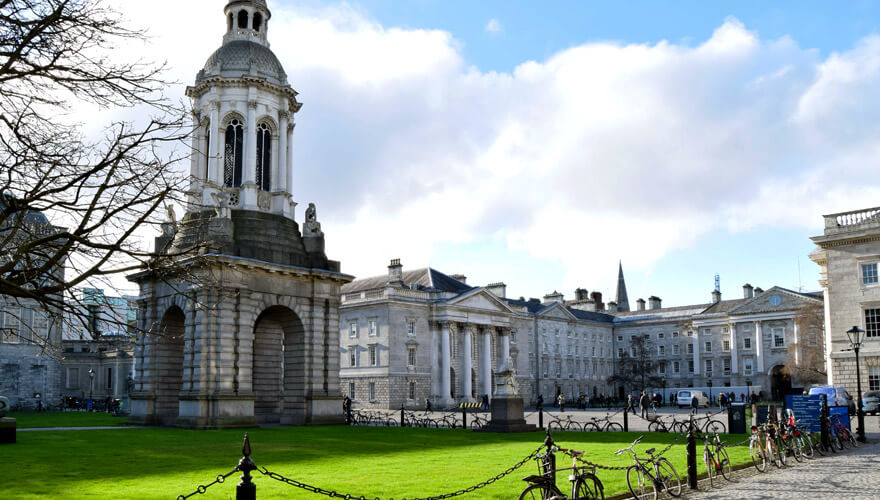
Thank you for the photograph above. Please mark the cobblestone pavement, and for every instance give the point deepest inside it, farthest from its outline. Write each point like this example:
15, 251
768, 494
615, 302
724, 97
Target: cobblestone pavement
851, 474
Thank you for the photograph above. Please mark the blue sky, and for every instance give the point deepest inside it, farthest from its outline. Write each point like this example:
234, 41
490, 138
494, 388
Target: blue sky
540, 143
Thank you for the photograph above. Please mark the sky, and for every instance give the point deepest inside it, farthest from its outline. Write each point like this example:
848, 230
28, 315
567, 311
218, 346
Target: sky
542, 143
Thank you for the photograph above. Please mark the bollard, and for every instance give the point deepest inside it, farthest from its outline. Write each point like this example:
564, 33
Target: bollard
548, 464
540, 418
464, 418
692, 455
823, 421
246, 489
625, 421
402, 417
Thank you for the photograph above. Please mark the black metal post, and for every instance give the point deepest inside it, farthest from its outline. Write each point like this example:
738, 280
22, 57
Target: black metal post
540, 418
246, 489
626, 420
549, 462
402, 417
825, 435
464, 418
860, 414
348, 414
692, 454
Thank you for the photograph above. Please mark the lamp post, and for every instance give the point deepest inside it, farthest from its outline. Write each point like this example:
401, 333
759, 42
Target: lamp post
663, 401
749, 390
709, 383
91, 385
855, 340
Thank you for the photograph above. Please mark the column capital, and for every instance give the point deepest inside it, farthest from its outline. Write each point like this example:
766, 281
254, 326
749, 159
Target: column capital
252, 104
283, 115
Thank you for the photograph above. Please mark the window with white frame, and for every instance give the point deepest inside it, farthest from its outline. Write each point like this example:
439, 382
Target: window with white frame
372, 391
513, 337
676, 367
352, 329
12, 325
661, 350
661, 335
725, 330
620, 338
594, 351
374, 330
676, 350
725, 345
691, 366
872, 322
708, 366
410, 328
726, 366
690, 349
351, 391
747, 366
558, 368
874, 378
707, 346
412, 390
675, 334
374, 356
747, 342
632, 351
545, 366
41, 325
620, 352
662, 368
411, 356
778, 337
869, 273
352, 356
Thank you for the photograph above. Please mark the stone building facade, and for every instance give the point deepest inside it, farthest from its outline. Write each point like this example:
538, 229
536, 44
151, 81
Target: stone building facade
242, 328
848, 253
392, 331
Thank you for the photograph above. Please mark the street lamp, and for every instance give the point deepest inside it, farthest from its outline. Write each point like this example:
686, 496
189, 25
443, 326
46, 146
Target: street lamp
855, 340
749, 390
709, 383
91, 382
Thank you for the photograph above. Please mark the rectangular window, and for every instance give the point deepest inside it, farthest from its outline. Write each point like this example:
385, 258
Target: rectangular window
691, 366
747, 366
872, 322
874, 379
373, 329
661, 350
632, 351
662, 368
372, 391
11, 325
725, 346
558, 368
72, 381
869, 274
411, 357
707, 346
594, 351
726, 366
410, 328
620, 352
676, 367
109, 383
352, 356
676, 350
412, 390
747, 342
675, 334
353, 330
661, 335
708, 366
778, 337
620, 338
513, 337
351, 391
41, 325
690, 348
374, 358
545, 364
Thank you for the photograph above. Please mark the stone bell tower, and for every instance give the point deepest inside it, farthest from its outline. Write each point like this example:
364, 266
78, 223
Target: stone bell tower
242, 325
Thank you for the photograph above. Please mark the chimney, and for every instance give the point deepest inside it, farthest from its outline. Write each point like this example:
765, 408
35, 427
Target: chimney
612, 306
553, 297
534, 300
758, 290
459, 277
716, 296
748, 291
640, 305
597, 298
654, 302
581, 294
395, 272
497, 289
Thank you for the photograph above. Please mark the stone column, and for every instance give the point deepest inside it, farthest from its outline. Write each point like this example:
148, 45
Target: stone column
281, 157
759, 349
467, 364
505, 346
734, 350
250, 150
434, 353
696, 352
486, 363
826, 289
215, 169
289, 153
445, 365
797, 343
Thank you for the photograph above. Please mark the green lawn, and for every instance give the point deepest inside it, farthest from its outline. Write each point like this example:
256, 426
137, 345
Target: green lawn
386, 462
66, 419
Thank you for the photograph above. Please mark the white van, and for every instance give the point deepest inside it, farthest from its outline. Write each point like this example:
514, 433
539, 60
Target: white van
683, 398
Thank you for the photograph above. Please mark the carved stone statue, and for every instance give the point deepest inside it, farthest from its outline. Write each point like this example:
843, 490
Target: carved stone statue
312, 227
505, 380
129, 385
221, 202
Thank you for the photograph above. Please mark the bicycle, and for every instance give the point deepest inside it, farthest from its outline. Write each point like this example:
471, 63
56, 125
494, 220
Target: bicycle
762, 448
840, 435
601, 425
568, 424
584, 483
477, 422
662, 474
715, 458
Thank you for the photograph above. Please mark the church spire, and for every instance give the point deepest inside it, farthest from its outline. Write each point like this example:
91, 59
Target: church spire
622, 300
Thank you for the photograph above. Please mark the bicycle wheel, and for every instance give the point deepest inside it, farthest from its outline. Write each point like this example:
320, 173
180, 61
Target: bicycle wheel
679, 427
836, 441
669, 477
639, 484
710, 466
538, 492
758, 456
614, 427
588, 487
573, 426
656, 426
392, 423
724, 463
555, 426
591, 427
795, 450
775, 454
715, 426
816, 443
805, 445
850, 439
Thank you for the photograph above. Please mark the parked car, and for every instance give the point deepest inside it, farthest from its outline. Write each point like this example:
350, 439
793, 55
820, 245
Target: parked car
683, 398
837, 396
871, 402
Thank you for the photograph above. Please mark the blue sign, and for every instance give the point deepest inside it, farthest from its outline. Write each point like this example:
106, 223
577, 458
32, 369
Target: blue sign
842, 412
807, 409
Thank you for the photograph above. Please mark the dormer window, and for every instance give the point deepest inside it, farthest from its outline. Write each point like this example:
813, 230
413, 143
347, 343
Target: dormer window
242, 19
258, 21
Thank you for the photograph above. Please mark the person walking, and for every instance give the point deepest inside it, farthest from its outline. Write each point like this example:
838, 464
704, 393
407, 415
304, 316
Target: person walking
643, 404
695, 404
539, 402
561, 400
722, 401
630, 404
484, 402
427, 404
658, 401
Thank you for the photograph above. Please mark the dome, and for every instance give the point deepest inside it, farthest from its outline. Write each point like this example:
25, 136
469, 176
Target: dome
237, 58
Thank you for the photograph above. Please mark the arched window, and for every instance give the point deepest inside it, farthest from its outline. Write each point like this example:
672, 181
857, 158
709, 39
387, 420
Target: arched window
242, 19
258, 21
232, 159
264, 149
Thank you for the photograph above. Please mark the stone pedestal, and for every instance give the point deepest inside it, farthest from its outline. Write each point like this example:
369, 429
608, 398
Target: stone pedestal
7, 430
507, 416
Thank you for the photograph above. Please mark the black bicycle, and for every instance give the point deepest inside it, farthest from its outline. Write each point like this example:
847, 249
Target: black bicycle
584, 483
642, 480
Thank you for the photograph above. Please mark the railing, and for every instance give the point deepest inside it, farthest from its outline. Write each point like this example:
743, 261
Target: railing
853, 218
384, 293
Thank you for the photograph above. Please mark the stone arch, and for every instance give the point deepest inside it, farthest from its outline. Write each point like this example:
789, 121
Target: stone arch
279, 376
169, 365
243, 16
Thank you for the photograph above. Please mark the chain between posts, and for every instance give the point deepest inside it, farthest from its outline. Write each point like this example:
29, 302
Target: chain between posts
204, 487
348, 496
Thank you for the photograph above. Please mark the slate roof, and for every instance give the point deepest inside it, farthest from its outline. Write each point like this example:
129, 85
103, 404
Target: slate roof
591, 315
724, 306
428, 279
531, 307
664, 313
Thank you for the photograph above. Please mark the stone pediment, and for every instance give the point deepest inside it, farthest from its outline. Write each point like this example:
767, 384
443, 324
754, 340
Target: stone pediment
776, 299
482, 299
557, 311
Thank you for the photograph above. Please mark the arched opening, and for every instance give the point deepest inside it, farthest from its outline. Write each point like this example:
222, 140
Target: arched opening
169, 366
279, 378
258, 21
232, 158
264, 148
242, 19
780, 383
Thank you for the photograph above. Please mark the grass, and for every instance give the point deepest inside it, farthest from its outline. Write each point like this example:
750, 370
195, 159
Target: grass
29, 420
370, 461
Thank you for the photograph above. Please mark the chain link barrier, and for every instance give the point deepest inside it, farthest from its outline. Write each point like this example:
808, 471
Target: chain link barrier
348, 496
204, 487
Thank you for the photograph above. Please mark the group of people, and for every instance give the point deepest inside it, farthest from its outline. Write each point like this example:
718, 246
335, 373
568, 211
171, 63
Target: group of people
583, 401
646, 402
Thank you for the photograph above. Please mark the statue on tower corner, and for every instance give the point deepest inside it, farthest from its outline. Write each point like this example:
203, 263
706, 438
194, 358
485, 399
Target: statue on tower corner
312, 227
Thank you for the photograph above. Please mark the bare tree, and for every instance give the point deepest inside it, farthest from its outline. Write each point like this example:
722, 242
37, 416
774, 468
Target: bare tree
806, 358
100, 194
638, 366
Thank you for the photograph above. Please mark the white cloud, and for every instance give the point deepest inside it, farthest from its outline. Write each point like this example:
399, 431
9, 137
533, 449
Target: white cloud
493, 27
603, 151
